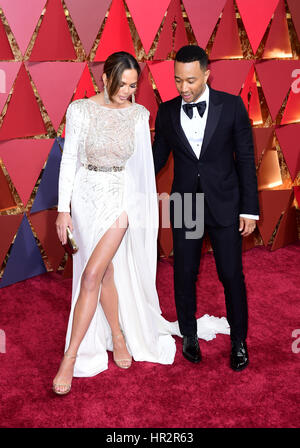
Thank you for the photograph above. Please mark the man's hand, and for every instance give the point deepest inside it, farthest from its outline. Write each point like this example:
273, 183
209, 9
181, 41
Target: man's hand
246, 226
63, 221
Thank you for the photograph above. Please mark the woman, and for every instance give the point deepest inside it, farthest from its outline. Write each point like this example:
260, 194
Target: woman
107, 174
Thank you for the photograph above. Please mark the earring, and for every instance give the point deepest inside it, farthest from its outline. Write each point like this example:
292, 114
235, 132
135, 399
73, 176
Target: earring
106, 97
133, 98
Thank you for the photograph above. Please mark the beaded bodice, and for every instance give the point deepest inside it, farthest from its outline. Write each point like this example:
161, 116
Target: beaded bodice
99, 136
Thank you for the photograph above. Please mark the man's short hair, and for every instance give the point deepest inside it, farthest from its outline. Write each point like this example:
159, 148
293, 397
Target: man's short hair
191, 53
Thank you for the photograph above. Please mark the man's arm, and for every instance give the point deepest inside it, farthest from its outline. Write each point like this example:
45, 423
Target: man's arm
161, 148
245, 164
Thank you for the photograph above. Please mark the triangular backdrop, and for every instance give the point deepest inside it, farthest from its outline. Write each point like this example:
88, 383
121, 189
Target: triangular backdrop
10, 69
256, 16
203, 16
9, 225
87, 17
56, 82
47, 194
288, 137
227, 42
23, 117
54, 24
24, 160
118, 27
22, 17
173, 34
154, 12
25, 258
44, 225
272, 205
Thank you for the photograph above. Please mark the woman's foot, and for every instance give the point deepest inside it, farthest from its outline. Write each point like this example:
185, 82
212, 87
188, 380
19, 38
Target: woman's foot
63, 380
120, 353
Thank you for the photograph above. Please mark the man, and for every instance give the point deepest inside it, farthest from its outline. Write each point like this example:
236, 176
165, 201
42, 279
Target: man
211, 139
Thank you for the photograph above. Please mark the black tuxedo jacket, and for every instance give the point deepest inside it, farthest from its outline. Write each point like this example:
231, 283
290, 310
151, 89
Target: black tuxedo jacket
225, 168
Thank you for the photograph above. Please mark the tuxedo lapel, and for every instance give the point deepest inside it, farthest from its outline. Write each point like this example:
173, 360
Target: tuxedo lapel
178, 128
213, 117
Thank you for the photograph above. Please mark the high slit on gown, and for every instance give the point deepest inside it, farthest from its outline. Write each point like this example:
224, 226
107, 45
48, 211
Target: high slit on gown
105, 138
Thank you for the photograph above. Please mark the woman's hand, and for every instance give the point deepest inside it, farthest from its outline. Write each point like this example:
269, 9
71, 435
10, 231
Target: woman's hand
63, 221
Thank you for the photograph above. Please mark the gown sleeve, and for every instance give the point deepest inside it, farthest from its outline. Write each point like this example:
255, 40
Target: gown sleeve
74, 122
142, 203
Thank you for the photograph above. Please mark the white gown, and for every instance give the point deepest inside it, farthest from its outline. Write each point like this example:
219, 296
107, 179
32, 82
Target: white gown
106, 138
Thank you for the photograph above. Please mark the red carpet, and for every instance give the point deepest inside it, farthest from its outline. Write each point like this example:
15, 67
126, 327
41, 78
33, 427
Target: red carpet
34, 317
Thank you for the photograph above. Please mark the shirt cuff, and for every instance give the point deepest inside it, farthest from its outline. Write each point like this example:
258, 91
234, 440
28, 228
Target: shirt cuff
63, 209
256, 217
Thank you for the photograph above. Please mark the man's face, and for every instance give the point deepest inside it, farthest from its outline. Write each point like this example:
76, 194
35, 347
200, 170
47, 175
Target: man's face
190, 80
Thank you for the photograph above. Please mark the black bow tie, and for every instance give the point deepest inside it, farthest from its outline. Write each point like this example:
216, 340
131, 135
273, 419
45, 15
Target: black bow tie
188, 108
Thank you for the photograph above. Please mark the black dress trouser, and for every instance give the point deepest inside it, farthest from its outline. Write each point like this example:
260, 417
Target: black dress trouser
226, 243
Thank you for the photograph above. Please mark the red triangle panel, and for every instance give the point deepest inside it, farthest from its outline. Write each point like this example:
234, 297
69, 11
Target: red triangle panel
203, 16
294, 7
9, 225
5, 50
173, 35
116, 35
288, 137
278, 43
147, 17
6, 198
163, 74
227, 42
23, 117
256, 16
229, 76
262, 138
24, 160
272, 204
44, 225
59, 46
276, 88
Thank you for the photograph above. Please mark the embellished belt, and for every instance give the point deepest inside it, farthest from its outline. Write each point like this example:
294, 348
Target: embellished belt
103, 168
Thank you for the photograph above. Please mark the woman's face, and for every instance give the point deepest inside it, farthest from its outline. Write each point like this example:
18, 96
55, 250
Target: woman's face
128, 86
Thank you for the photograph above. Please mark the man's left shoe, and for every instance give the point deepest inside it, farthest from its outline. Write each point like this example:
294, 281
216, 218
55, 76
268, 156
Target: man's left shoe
239, 358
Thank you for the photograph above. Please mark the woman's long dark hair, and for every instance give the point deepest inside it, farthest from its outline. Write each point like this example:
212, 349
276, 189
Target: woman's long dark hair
114, 67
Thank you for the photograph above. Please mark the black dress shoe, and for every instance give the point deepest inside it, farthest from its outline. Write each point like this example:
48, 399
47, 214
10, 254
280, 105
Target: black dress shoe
239, 358
191, 350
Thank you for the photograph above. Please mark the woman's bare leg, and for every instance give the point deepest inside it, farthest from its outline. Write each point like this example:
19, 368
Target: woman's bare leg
110, 303
109, 299
88, 297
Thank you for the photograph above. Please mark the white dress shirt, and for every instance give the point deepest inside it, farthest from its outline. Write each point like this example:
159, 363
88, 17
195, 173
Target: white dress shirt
194, 129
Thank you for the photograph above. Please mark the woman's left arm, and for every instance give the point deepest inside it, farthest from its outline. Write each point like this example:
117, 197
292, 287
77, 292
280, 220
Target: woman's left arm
68, 170
69, 157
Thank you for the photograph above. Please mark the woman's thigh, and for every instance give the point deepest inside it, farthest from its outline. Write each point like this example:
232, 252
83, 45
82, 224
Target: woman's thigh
105, 249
